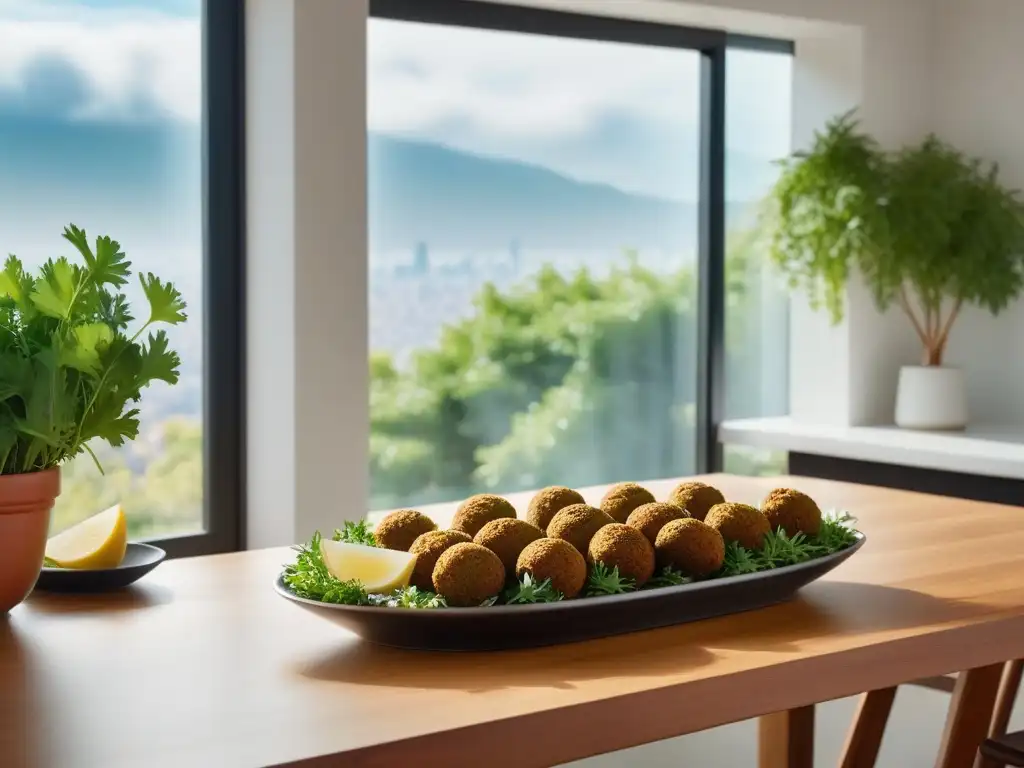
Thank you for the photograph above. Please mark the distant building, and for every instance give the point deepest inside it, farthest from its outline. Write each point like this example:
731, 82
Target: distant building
513, 253
421, 260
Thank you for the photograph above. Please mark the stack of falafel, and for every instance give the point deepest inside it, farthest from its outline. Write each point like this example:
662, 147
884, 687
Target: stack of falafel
561, 537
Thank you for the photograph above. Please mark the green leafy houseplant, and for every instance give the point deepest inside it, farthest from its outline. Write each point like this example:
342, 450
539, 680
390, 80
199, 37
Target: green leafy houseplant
70, 369
929, 228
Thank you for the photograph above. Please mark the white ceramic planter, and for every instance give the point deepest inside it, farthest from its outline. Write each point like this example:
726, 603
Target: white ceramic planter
931, 397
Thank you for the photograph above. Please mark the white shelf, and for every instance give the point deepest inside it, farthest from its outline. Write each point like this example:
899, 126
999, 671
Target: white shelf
992, 451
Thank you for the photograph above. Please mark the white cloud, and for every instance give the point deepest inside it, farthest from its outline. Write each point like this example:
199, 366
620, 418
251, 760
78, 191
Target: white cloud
422, 76
128, 59
622, 114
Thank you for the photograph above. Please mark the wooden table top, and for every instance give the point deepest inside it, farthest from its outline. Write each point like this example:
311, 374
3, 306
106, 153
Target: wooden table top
203, 665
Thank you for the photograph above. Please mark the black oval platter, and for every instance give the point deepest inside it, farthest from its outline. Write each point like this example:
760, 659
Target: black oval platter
523, 626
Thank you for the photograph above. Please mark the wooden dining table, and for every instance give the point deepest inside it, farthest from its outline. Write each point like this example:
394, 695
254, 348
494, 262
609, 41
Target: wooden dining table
202, 664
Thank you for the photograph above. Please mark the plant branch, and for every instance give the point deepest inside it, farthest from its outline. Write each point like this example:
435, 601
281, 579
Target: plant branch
904, 303
940, 343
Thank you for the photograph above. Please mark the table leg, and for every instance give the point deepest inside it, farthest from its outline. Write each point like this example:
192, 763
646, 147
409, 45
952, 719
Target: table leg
970, 713
786, 739
865, 737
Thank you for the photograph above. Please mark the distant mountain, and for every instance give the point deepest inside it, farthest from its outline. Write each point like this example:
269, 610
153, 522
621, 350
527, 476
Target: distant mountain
421, 192
141, 182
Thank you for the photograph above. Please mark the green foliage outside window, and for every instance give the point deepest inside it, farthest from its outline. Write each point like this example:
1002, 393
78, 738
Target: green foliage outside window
571, 380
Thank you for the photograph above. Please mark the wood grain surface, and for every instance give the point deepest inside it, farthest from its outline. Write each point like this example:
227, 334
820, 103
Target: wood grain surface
201, 664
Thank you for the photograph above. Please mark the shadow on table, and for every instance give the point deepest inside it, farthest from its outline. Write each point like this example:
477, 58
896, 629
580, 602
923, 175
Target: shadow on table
558, 667
19, 710
824, 609
134, 598
831, 608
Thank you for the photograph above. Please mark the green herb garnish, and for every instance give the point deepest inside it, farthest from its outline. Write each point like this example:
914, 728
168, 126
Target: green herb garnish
409, 597
49, 562
355, 533
603, 580
309, 578
837, 531
530, 591
669, 577
779, 550
738, 561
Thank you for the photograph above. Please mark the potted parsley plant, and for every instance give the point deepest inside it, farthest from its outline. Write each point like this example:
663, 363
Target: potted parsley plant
71, 371
930, 229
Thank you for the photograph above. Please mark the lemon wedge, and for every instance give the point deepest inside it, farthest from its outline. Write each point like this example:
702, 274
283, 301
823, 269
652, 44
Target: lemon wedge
97, 542
378, 570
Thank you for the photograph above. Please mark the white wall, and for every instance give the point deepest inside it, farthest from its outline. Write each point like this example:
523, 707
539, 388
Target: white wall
308, 422
979, 107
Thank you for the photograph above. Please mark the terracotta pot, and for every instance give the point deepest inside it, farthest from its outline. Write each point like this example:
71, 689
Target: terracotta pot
25, 504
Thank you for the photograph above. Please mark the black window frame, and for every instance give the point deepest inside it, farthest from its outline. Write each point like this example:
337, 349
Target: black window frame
712, 45
223, 157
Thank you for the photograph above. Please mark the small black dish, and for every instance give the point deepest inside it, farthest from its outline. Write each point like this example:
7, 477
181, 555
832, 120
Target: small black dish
139, 559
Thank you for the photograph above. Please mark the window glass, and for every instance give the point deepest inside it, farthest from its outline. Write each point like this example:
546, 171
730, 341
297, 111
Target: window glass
100, 104
533, 232
758, 132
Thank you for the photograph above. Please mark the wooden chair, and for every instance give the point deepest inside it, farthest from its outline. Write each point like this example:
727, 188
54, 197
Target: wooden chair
965, 717
997, 752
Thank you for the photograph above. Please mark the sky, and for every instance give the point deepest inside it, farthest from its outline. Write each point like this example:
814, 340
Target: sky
134, 60
620, 114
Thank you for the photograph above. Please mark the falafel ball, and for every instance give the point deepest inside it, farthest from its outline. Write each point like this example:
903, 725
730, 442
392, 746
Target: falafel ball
741, 523
477, 511
507, 537
427, 548
548, 502
398, 530
577, 524
696, 497
466, 574
792, 511
557, 560
650, 518
624, 547
690, 545
623, 498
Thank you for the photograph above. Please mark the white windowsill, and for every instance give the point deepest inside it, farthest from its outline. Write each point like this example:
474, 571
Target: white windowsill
992, 451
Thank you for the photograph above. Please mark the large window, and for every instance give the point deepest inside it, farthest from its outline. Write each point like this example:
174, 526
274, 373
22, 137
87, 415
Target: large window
537, 203
103, 123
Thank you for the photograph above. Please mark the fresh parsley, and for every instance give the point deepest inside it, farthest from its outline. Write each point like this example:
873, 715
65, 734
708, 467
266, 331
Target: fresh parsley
70, 370
355, 533
779, 550
738, 561
529, 591
409, 597
603, 580
308, 577
837, 531
668, 577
